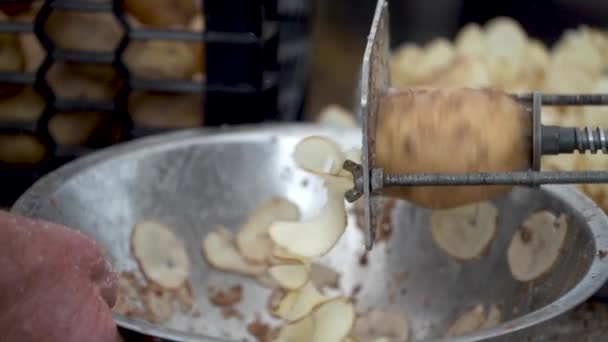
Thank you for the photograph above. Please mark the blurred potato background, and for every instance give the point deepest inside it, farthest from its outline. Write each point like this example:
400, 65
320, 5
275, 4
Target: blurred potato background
558, 46
548, 45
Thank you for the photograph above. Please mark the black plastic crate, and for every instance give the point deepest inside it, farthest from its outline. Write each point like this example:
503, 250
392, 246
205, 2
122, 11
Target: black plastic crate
246, 78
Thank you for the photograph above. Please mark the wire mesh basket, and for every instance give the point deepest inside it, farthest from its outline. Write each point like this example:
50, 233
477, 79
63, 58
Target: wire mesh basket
76, 76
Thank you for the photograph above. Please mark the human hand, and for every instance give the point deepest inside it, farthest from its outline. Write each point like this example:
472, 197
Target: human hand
55, 284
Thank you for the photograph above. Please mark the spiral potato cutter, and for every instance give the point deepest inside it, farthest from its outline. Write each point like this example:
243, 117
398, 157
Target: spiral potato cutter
370, 180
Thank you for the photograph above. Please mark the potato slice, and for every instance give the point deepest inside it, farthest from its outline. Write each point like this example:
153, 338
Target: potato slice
319, 155
314, 238
292, 276
297, 304
493, 318
333, 320
374, 325
252, 240
160, 254
468, 322
537, 245
220, 251
299, 331
465, 232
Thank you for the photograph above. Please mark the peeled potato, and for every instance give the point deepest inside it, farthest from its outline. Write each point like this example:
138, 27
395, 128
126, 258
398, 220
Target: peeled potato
162, 13
161, 255
220, 251
17, 148
450, 130
537, 245
465, 232
253, 240
98, 32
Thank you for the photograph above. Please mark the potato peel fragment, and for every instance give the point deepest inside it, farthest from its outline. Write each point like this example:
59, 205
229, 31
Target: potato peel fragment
161, 255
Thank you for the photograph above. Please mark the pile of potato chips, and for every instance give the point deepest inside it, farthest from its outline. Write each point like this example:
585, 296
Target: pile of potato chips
501, 55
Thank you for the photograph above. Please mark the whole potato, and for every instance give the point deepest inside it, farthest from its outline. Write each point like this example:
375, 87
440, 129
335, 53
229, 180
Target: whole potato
162, 59
11, 55
162, 13
450, 130
96, 32
161, 110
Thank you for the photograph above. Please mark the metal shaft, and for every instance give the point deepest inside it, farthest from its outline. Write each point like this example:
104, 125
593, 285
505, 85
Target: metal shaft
556, 140
530, 178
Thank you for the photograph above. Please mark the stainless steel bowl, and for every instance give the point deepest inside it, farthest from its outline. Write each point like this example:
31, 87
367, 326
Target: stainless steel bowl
195, 180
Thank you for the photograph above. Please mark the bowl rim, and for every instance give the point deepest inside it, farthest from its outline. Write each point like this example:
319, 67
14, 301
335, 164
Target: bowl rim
47, 185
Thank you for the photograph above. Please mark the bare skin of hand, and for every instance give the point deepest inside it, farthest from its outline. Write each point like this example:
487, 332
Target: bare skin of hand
55, 284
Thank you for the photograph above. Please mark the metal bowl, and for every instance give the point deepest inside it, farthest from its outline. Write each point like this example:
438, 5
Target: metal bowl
195, 180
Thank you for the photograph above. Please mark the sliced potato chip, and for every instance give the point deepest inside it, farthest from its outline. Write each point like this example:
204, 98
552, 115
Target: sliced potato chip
220, 251
493, 318
292, 276
468, 322
537, 245
315, 237
160, 254
298, 331
296, 304
319, 155
252, 240
464, 232
333, 320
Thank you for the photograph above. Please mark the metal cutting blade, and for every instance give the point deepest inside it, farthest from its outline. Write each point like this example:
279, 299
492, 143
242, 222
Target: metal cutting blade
374, 83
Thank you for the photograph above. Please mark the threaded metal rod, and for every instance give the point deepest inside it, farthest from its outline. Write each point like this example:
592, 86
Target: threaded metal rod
567, 99
556, 139
531, 178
